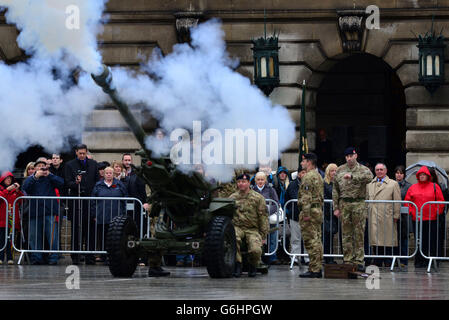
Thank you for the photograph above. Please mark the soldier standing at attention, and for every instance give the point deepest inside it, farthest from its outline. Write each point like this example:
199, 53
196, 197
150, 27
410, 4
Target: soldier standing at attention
250, 222
348, 197
310, 206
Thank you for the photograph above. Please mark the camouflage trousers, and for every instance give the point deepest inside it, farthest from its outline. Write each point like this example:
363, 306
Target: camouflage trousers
154, 258
353, 218
253, 243
311, 235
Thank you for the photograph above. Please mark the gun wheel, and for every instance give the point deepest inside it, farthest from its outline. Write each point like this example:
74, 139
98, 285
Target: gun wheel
122, 260
220, 248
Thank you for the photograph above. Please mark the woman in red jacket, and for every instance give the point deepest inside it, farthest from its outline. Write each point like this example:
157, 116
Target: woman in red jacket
419, 193
9, 189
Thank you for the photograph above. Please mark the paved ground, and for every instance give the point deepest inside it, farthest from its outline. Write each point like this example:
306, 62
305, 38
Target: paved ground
49, 282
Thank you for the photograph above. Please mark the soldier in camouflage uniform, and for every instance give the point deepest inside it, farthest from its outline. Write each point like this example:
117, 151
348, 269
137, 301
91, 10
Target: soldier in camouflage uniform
228, 188
348, 195
155, 258
250, 222
310, 206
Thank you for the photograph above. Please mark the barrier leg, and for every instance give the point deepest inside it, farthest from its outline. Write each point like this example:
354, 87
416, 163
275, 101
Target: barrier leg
292, 261
429, 265
20, 258
392, 264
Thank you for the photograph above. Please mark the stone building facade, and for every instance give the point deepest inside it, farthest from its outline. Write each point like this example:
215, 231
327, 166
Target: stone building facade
363, 88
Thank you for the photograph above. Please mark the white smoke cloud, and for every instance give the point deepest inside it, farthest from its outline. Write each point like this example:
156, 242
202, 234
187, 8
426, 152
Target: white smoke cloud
194, 83
36, 110
48, 30
35, 107
198, 83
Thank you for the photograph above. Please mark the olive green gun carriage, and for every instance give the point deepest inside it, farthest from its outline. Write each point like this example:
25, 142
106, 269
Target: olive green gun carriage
200, 223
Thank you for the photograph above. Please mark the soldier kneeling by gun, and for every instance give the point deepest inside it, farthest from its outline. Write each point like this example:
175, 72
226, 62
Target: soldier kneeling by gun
250, 222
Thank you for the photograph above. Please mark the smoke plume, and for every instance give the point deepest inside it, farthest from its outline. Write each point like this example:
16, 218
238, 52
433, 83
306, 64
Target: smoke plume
39, 105
60, 30
197, 83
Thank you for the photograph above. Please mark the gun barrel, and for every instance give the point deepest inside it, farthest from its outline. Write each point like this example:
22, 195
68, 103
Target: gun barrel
104, 80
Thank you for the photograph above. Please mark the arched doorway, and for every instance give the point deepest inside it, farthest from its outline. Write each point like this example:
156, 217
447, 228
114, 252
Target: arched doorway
360, 102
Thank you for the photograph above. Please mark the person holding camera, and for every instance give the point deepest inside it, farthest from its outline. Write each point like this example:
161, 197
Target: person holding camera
81, 175
43, 213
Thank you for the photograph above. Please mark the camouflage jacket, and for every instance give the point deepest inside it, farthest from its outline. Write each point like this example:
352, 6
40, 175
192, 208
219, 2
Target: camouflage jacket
251, 213
311, 192
227, 189
350, 188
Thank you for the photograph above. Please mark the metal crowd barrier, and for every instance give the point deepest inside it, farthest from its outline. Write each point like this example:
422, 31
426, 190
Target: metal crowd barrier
393, 229
433, 239
376, 248
273, 236
296, 243
44, 223
4, 238
270, 237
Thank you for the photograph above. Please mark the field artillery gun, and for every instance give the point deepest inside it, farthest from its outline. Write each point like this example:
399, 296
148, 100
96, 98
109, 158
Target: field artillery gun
199, 223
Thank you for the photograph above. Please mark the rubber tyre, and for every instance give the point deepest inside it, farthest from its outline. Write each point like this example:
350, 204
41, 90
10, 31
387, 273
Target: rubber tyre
220, 247
122, 260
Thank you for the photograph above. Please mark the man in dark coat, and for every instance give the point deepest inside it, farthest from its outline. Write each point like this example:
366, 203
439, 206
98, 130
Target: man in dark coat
136, 189
80, 176
43, 214
56, 167
292, 213
135, 185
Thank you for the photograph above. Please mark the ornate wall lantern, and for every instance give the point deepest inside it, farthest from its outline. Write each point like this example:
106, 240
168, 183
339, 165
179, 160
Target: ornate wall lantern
431, 60
266, 62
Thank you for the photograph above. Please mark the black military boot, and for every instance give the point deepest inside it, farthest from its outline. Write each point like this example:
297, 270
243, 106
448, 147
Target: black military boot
310, 274
252, 271
237, 270
157, 272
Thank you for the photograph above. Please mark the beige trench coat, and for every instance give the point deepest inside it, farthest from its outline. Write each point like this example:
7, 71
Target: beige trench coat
382, 229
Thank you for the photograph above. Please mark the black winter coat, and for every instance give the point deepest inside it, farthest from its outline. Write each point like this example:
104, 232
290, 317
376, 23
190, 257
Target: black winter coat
88, 179
404, 185
330, 221
292, 193
60, 173
136, 187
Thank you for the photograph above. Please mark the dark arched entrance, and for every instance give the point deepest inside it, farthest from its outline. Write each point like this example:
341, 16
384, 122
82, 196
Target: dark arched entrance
361, 102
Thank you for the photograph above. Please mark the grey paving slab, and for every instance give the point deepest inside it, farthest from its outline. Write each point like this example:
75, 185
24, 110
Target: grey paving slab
49, 282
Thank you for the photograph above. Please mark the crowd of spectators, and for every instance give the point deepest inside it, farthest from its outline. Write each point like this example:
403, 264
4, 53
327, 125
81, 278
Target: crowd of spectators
38, 221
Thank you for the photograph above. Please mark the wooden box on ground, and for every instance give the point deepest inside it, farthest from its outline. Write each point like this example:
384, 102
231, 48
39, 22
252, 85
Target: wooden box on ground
339, 271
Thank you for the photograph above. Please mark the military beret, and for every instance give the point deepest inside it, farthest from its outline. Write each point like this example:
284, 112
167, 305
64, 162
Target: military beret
350, 150
243, 177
